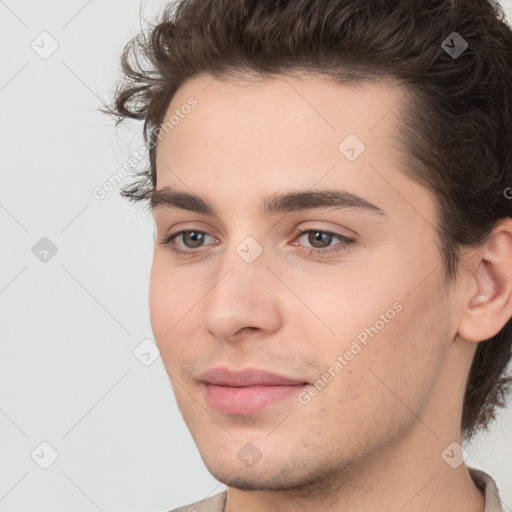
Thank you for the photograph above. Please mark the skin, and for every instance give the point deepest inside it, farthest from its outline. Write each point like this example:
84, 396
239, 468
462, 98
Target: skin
372, 439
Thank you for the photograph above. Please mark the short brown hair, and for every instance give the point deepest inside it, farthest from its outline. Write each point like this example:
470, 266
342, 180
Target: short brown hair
457, 129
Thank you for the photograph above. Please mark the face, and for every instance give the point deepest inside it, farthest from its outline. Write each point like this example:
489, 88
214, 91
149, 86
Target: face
341, 295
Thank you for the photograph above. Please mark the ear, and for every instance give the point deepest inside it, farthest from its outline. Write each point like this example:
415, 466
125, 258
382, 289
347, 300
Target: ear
487, 303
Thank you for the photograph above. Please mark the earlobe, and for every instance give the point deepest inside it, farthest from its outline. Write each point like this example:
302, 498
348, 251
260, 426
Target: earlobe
489, 303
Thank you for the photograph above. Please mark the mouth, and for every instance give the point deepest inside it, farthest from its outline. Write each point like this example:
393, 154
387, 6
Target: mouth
248, 391
247, 399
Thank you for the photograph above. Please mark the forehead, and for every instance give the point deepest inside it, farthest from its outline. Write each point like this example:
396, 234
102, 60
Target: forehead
280, 118
254, 137
314, 106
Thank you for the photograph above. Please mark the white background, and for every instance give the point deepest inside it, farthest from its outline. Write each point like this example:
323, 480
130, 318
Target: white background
69, 326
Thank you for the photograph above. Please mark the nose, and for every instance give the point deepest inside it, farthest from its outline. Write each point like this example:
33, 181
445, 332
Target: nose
243, 300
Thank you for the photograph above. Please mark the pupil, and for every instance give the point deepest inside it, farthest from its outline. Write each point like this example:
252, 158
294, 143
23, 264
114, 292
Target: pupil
196, 238
317, 237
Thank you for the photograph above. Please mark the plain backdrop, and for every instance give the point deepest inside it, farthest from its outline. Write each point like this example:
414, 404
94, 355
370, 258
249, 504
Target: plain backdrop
88, 420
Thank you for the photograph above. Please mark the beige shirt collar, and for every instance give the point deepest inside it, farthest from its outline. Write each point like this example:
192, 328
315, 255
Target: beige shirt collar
488, 486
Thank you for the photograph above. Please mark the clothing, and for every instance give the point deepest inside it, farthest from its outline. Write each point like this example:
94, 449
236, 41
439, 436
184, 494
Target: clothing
484, 481
215, 503
488, 486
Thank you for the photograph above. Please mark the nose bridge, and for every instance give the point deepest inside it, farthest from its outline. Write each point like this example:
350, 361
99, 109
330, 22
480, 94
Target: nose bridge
243, 255
241, 272
239, 296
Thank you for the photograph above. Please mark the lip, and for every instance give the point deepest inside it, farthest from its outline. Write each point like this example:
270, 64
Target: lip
241, 392
223, 376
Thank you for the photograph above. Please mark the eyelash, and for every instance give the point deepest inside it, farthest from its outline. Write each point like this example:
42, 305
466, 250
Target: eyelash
345, 243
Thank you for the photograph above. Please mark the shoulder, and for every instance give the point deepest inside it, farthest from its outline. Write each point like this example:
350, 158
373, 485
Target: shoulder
488, 486
215, 503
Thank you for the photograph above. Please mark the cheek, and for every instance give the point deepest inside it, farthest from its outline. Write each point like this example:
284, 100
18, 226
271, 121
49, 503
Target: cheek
400, 360
160, 303
174, 306
341, 302
167, 307
172, 296
377, 325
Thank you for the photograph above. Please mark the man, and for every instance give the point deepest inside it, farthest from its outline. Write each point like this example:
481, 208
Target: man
331, 288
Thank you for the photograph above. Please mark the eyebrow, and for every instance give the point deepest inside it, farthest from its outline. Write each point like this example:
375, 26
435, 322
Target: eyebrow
280, 202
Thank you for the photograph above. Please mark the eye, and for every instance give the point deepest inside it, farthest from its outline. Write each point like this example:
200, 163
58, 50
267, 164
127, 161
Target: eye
321, 240
192, 239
